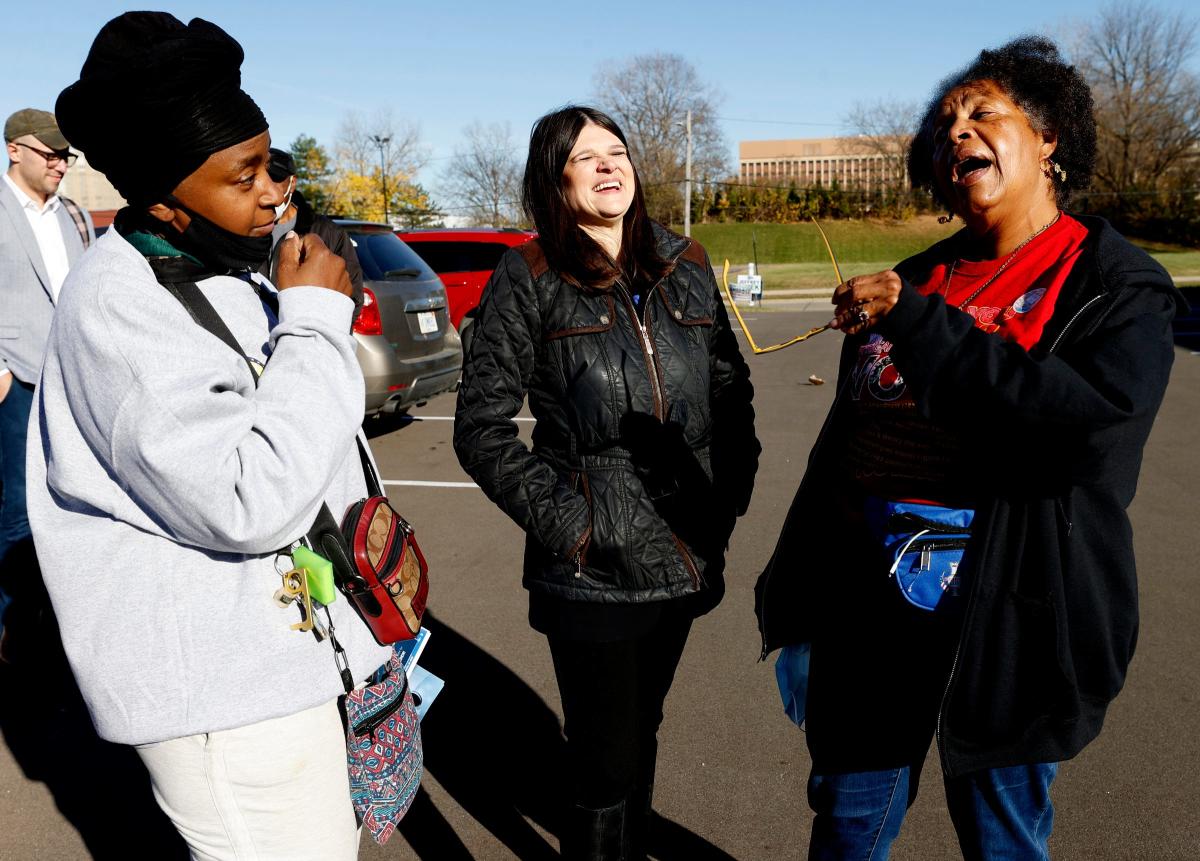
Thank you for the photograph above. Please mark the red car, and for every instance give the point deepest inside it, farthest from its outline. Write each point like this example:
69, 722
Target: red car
464, 258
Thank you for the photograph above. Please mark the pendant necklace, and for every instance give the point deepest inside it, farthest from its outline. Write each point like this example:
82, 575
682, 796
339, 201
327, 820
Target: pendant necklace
1003, 266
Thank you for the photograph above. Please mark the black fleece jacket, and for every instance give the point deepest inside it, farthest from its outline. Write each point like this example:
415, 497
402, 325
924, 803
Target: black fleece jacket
1051, 619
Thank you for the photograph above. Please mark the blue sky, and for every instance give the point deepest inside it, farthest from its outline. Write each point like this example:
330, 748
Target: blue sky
786, 69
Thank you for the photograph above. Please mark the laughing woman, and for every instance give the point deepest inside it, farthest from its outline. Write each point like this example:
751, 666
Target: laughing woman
958, 554
643, 453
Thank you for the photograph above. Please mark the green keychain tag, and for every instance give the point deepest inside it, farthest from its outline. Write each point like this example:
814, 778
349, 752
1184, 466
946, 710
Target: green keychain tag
318, 571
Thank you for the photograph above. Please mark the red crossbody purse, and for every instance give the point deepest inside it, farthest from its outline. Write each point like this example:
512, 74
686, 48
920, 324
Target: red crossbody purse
392, 585
377, 563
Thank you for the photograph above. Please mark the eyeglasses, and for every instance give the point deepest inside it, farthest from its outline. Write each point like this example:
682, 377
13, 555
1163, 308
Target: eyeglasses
746, 329
52, 158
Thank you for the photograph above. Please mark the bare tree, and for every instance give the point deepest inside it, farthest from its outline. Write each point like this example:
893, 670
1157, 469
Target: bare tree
649, 96
484, 176
1147, 102
377, 163
358, 150
884, 128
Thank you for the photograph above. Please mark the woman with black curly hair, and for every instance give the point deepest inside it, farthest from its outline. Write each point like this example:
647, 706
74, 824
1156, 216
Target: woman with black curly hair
958, 556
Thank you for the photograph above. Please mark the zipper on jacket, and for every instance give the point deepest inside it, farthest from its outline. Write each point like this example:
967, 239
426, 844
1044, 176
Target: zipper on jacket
660, 403
941, 744
660, 406
1071, 322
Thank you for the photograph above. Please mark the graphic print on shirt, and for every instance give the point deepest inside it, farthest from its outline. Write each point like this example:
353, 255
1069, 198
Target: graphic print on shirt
990, 318
874, 374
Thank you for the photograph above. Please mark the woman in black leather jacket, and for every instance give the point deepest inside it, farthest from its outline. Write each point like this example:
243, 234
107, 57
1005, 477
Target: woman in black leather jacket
643, 453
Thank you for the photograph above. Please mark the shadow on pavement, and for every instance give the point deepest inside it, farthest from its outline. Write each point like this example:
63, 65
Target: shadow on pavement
670, 841
384, 423
496, 747
101, 789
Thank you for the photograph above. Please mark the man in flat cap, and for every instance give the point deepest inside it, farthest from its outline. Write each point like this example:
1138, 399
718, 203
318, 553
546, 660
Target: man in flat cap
41, 236
173, 465
297, 214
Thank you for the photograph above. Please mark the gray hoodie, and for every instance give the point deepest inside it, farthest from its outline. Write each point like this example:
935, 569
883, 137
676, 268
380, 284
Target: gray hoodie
161, 481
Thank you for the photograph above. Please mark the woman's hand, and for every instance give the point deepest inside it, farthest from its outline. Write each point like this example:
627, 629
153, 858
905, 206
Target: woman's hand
306, 261
864, 300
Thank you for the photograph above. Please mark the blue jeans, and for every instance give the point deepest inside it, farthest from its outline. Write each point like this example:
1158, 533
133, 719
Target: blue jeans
1003, 814
14, 525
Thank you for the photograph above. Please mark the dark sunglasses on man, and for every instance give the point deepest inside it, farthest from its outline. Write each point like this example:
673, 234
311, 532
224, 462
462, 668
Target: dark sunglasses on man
52, 158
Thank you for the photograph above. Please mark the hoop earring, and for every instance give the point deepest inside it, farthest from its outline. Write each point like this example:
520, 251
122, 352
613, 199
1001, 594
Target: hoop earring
946, 219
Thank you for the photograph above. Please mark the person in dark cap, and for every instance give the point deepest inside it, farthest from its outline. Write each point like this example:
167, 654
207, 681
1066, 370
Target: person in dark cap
42, 234
295, 213
171, 469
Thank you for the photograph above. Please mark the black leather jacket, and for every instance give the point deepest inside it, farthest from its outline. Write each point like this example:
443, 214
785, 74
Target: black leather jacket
644, 449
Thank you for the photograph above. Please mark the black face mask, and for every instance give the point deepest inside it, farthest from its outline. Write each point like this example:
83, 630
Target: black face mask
217, 247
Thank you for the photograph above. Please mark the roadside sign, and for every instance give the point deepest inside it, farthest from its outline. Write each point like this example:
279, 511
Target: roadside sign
748, 289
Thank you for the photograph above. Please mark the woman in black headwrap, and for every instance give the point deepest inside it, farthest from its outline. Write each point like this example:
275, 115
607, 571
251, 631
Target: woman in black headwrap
171, 468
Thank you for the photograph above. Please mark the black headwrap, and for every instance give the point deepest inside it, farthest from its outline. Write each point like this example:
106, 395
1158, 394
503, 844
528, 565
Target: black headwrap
155, 99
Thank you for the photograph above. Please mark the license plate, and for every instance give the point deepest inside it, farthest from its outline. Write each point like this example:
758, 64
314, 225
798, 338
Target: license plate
427, 321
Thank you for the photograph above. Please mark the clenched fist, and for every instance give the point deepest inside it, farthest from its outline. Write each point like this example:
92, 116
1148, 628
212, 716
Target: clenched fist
305, 261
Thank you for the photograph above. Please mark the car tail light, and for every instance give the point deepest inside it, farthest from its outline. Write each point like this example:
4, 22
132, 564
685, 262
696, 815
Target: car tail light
368, 322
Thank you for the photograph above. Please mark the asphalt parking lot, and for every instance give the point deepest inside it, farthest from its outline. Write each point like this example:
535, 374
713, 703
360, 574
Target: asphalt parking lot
732, 767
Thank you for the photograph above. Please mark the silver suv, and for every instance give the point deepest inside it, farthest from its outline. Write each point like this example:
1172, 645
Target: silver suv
407, 348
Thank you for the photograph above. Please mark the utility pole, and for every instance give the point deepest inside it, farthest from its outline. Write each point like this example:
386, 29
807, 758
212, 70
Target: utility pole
687, 180
382, 142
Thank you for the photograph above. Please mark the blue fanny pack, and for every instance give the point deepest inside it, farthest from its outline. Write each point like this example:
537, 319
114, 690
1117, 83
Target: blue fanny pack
924, 544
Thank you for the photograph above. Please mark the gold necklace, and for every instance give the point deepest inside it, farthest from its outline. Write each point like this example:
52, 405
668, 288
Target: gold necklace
1003, 266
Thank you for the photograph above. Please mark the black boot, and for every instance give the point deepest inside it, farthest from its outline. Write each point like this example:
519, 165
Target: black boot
639, 817
596, 835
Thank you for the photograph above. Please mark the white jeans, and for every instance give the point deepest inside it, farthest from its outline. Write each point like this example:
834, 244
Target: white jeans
272, 791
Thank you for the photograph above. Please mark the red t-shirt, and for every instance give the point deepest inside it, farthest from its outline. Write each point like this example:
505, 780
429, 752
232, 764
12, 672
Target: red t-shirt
893, 451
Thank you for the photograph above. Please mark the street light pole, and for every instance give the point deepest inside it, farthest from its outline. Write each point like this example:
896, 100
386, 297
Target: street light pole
382, 142
687, 180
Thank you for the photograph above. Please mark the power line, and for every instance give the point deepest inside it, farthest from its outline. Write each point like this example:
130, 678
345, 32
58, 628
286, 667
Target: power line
781, 122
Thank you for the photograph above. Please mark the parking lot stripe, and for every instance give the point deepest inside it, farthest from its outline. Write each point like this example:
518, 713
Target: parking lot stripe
451, 418
434, 483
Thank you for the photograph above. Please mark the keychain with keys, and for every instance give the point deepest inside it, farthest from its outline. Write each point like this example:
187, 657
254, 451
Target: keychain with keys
310, 581
295, 587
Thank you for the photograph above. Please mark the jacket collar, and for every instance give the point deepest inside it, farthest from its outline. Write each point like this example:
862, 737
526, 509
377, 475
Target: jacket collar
670, 244
1120, 263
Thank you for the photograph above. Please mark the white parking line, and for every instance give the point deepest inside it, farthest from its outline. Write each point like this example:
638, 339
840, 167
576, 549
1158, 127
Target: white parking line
451, 418
413, 483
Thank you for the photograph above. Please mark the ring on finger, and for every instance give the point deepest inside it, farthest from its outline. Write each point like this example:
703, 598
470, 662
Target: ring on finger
863, 317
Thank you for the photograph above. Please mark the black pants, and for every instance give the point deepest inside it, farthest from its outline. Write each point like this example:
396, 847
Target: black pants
612, 697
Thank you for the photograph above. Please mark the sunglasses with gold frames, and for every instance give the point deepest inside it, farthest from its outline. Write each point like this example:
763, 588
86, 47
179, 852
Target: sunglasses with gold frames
799, 338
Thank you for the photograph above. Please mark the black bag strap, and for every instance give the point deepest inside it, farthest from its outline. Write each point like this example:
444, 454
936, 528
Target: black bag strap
325, 535
206, 316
